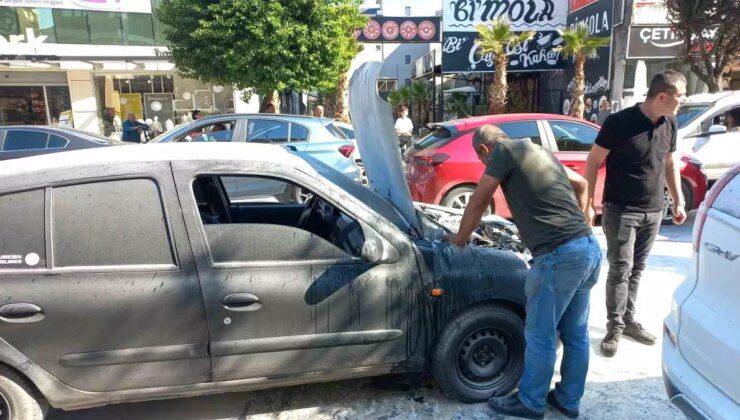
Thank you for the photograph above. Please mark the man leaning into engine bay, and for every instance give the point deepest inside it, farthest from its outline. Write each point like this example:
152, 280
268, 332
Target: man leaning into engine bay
548, 204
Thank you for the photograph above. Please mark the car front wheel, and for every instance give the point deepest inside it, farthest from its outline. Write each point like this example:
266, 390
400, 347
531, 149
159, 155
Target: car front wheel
19, 400
458, 198
480, 354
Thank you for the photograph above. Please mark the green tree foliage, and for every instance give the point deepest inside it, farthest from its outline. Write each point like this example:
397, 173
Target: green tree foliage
711, 33
262, 46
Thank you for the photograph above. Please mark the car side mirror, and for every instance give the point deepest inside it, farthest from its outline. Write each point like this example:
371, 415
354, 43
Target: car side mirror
717, 129
377, 251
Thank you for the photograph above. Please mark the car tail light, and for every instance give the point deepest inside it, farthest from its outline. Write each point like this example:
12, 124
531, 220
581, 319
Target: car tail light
432, 160
347, 150
701, 215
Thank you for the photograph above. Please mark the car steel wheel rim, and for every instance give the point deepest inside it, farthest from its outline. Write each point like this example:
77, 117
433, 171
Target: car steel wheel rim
4, 408
485, 358
461, 201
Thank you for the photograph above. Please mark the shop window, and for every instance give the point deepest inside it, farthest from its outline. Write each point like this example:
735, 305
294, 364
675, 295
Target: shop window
138, 29
407, 59
158, 26
60, 104
8, 22
22, 105
41, 21
105, 28
71, 26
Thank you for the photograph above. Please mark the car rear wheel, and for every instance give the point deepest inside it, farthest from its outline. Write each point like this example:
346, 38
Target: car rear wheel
19, 400
459, 198
480, 354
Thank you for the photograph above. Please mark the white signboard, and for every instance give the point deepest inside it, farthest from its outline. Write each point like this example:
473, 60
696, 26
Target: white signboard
525, 15
135, 6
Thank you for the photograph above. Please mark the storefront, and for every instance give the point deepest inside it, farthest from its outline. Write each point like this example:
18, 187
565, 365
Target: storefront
89, 64
34, 98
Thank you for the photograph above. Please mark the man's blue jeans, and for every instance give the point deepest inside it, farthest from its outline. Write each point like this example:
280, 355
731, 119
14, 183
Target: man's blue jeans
558, 288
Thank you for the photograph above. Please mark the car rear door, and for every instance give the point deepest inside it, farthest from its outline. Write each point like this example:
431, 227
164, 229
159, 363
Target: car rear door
572, 141
281, 300
97, 281
709, 334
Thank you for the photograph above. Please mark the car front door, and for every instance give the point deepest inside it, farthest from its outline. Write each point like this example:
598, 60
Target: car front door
718, 151
102, 290
284, 297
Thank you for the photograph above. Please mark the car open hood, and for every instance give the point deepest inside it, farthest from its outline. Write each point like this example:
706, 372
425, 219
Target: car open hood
378, 143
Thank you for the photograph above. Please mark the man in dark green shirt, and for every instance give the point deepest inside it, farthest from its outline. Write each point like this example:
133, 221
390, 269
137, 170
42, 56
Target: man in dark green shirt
547, 202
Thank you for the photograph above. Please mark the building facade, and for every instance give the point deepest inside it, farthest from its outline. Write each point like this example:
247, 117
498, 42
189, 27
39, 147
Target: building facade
89, 64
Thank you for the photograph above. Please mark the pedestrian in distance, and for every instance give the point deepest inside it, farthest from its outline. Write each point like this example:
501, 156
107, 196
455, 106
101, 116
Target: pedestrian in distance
132, 129
270, 108
638, 144
604, 111
404, 129
197, 114
318, 111
547, 201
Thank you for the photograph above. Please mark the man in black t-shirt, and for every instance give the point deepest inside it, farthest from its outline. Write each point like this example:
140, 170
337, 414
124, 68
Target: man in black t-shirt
638, 144
547, 201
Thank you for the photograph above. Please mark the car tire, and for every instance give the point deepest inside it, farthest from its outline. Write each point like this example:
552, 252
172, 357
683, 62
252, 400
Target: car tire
459, 197
19, 399
480, 354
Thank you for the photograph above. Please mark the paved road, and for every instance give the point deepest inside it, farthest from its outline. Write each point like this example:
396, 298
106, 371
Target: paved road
628, 386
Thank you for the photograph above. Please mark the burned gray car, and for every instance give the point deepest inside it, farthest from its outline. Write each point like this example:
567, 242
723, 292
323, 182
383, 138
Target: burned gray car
128, 276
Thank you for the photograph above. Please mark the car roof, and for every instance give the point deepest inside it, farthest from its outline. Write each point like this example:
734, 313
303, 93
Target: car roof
464, 124
255, 153
713, 97
268, 116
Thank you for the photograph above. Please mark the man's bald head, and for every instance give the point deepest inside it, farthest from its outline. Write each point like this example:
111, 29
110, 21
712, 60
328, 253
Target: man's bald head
487, 136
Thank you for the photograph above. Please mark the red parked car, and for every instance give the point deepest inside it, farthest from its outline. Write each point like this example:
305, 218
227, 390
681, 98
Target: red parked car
443, 168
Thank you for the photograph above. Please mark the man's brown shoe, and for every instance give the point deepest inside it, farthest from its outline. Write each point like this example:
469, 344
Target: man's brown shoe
636, 332
610, 343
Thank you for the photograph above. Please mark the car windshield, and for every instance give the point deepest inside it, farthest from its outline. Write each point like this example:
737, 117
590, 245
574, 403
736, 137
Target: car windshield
363, 194
439, 137
689, 112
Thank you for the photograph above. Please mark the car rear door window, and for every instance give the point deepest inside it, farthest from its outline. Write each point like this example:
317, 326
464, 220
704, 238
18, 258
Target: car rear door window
298, 133
110, 223
267, 131
25, 140
22, 235
573, 137
57, 142
522, 129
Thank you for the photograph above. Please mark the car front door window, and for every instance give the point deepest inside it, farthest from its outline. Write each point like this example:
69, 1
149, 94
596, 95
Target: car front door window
221, 131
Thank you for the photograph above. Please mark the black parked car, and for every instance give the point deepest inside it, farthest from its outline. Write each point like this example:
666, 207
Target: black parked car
130, 276
19, 141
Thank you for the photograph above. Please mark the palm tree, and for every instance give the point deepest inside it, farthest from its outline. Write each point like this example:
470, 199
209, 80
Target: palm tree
494, 39
577, 43
420, 96
399, 98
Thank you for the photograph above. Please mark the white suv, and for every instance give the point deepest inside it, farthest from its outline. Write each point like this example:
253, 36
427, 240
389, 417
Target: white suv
704, 132
701, 335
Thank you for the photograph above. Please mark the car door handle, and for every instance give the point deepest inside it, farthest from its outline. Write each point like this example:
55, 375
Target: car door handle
21, 313
241, 302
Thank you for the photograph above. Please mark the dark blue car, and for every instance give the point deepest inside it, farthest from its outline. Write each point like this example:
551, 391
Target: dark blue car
27, 140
